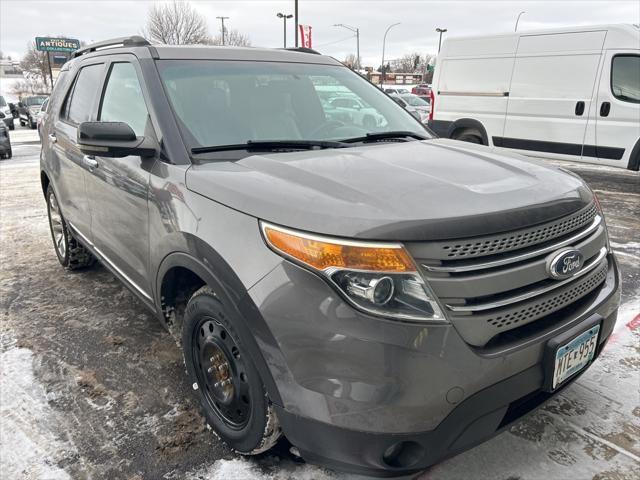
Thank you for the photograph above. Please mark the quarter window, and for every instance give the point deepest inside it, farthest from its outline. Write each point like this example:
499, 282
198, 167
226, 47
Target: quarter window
84, 94
625, 78
123, 101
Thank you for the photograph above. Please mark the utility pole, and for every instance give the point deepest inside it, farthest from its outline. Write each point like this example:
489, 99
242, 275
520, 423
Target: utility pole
295, 11
222, 19
440, 31
357, 32
50, 71
284, 17
384, 42
518, 19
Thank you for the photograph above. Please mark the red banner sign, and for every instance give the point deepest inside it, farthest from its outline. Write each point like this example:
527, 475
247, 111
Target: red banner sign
305, 36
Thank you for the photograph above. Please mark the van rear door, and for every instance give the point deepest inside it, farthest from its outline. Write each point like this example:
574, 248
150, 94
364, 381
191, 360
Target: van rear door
551, 92
617, 111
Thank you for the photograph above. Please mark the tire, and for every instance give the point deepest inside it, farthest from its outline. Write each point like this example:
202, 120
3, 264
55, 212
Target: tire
11, 125
22, 124
32, 124
470, 135
71, 254
230, 390
9, 154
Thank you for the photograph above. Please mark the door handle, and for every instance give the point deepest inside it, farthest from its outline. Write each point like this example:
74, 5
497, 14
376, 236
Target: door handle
90, 161
605, 108
580, 108
53, 138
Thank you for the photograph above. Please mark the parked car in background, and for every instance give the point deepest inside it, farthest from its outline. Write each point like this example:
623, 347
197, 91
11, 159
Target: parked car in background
421, 106
571, 93
412, 110
5, 141
360, 113
42, 114
5, 110
423, 90
396, 91
28, 109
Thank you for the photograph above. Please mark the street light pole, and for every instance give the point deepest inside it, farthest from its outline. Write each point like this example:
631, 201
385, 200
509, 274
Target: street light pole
284, 17
222, 19
518, 20
295, 11
440, 31
384, 43
357, 32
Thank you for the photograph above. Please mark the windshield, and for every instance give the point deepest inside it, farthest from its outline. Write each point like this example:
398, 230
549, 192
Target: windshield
414, 101
31, 101
232, 102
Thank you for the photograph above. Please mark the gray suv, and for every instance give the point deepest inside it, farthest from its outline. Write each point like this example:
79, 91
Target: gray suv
380, 297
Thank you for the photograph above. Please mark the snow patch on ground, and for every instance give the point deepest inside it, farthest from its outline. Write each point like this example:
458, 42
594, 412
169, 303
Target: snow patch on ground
271, 469
30, 450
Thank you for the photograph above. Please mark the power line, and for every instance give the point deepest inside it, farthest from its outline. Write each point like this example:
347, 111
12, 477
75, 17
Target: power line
336, 41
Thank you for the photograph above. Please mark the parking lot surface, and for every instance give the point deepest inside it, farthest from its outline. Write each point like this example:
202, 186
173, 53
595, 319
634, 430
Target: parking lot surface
93, 387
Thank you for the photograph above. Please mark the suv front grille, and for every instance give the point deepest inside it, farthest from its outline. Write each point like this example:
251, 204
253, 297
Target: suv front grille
499, 290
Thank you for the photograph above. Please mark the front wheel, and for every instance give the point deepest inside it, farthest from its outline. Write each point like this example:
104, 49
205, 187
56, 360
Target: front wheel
71, 254
231, 391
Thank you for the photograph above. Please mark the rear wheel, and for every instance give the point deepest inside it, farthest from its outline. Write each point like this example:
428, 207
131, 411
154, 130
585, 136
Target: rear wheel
71, 254
470, 135
231, 392
11, 125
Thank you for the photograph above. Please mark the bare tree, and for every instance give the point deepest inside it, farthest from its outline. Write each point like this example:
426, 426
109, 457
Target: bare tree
232, 37
176, 23
34, 64
351, 61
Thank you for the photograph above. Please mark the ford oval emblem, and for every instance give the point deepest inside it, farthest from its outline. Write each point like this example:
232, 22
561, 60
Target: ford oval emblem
564, 263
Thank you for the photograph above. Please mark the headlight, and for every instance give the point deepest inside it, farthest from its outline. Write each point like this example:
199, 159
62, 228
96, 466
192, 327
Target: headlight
378, 278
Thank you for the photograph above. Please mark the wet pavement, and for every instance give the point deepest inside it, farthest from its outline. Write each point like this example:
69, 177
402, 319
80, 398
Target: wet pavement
93, 387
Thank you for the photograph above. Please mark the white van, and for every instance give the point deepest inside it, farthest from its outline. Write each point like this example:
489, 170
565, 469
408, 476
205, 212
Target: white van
571, 94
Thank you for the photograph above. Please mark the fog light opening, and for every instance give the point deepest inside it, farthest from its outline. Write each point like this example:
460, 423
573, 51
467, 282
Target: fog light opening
403, 454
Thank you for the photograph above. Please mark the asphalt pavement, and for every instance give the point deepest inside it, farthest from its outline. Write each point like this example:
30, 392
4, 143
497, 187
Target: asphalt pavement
93, 387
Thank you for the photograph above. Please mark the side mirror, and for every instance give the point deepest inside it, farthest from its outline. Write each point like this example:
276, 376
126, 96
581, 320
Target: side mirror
113, 139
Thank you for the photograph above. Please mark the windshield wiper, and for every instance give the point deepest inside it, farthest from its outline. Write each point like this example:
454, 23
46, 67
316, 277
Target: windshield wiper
270, 145
374, 137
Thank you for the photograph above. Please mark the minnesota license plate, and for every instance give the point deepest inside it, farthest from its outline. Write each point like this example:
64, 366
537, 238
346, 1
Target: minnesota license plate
575, 355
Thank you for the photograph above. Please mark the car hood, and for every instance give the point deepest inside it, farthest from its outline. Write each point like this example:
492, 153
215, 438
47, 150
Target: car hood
418, 190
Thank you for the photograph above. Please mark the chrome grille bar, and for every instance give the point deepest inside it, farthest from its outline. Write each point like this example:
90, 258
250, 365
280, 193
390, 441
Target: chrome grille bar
518, 258
533, 293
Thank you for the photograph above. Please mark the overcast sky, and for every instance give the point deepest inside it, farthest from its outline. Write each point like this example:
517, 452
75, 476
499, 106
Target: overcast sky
22, 20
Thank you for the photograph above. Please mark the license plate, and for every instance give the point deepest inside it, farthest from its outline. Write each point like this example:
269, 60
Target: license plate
575, 355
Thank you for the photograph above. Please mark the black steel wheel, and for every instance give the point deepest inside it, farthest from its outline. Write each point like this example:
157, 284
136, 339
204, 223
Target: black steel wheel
222, 372
232, 394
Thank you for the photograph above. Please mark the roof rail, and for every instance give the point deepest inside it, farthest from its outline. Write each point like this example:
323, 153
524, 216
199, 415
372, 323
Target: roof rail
133, 41
303, 50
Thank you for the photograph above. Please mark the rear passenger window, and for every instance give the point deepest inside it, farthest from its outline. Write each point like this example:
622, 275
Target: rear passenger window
84, 94
123, 101
625, 78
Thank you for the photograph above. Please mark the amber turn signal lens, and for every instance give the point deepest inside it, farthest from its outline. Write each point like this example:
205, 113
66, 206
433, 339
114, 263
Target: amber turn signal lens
323, 253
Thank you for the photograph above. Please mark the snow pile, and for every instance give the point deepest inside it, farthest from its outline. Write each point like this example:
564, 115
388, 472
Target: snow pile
29, 449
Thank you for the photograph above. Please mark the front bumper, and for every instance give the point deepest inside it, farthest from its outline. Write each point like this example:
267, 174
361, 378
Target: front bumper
353, 387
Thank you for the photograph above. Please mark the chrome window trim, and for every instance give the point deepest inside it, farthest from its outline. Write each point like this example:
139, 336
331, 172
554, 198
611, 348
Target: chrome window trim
518, 258
534, 293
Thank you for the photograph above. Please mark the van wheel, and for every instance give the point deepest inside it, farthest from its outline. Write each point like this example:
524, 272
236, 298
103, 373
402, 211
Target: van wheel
470, 135
71, 254
231, 392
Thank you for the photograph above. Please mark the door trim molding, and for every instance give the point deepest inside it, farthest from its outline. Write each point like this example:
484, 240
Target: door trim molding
110, 264
577, 149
